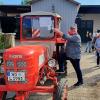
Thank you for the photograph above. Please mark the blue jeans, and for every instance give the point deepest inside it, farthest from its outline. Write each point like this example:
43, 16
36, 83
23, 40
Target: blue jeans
88, 46
75, 63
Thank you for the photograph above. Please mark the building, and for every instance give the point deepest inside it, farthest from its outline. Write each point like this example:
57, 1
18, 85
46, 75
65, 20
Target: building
9, 18
68, 10
90, 20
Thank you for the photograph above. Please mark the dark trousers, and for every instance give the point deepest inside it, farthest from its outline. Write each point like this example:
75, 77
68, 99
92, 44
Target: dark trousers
98, 59
75, 63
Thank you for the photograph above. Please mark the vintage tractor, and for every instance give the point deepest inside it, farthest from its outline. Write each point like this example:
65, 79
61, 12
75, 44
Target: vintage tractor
29, 66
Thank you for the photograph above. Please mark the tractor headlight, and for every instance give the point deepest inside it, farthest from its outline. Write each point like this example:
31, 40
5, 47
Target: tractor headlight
52, 62
21, 64
9, 63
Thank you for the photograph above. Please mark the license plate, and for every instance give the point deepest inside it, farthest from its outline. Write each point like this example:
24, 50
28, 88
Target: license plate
16, 76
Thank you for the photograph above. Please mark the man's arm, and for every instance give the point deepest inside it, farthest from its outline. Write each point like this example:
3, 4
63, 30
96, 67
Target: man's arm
73, 38
67, 37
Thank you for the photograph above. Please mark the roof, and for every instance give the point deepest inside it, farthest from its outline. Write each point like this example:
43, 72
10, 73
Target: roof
72, 1
15, 8
89, 9
41, 13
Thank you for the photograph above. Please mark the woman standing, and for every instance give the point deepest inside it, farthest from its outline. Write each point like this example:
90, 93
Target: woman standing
89, 42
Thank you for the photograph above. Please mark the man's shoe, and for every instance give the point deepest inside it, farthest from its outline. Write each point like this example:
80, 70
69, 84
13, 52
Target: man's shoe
97, 65
78, 83
60, 71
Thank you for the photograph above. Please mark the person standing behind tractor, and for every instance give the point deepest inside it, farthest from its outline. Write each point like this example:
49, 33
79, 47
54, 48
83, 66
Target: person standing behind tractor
93, 41
97, 46
72, 52
89, 42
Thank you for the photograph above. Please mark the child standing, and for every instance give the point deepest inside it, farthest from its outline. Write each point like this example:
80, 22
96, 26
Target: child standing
97, 46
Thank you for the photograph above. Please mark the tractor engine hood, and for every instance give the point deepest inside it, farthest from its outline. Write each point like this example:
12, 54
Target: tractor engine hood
19, 52
49, 45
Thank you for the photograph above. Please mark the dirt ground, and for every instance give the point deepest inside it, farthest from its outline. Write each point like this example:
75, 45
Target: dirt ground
90, 90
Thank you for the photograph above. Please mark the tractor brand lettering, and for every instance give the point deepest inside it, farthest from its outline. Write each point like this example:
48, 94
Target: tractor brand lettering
16, 56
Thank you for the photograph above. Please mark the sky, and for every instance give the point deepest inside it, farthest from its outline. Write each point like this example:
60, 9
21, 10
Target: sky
83, 2
11, 2
89, 2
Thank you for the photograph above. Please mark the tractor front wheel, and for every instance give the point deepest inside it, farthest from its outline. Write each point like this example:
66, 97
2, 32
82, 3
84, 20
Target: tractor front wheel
60, 92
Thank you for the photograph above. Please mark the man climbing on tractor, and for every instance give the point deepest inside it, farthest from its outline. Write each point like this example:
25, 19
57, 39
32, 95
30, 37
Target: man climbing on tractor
72, 52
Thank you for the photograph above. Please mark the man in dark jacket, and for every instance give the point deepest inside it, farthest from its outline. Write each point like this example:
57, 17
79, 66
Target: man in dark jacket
72, 52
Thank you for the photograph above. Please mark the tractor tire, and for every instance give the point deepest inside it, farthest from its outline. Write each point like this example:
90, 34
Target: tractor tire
2, 82
1, 61
61, 90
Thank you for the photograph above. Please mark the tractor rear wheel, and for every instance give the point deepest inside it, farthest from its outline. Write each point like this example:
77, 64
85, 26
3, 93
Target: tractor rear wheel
61, 90
2, 94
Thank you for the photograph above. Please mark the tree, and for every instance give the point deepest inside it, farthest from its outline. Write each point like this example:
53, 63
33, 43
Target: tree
1, 3
26, 2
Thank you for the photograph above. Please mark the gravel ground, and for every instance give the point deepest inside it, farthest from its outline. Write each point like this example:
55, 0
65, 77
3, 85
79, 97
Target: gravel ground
90, 90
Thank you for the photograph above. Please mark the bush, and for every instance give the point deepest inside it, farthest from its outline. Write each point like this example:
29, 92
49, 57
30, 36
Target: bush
5, 41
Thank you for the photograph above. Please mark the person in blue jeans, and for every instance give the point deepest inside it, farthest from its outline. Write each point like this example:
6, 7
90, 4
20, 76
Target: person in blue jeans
72, 52
89, 42
97, 46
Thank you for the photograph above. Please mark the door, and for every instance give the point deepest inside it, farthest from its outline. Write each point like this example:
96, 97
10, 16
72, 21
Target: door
83, 27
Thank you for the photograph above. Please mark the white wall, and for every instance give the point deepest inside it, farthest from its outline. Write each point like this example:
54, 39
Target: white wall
14, 14
66, 9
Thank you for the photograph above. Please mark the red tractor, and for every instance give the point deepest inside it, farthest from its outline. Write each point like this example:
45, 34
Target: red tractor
29, 66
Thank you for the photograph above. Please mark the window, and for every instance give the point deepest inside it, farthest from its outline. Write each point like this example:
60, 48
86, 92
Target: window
40, 27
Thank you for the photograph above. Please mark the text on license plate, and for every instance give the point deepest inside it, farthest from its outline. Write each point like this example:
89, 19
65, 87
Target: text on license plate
16, 76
